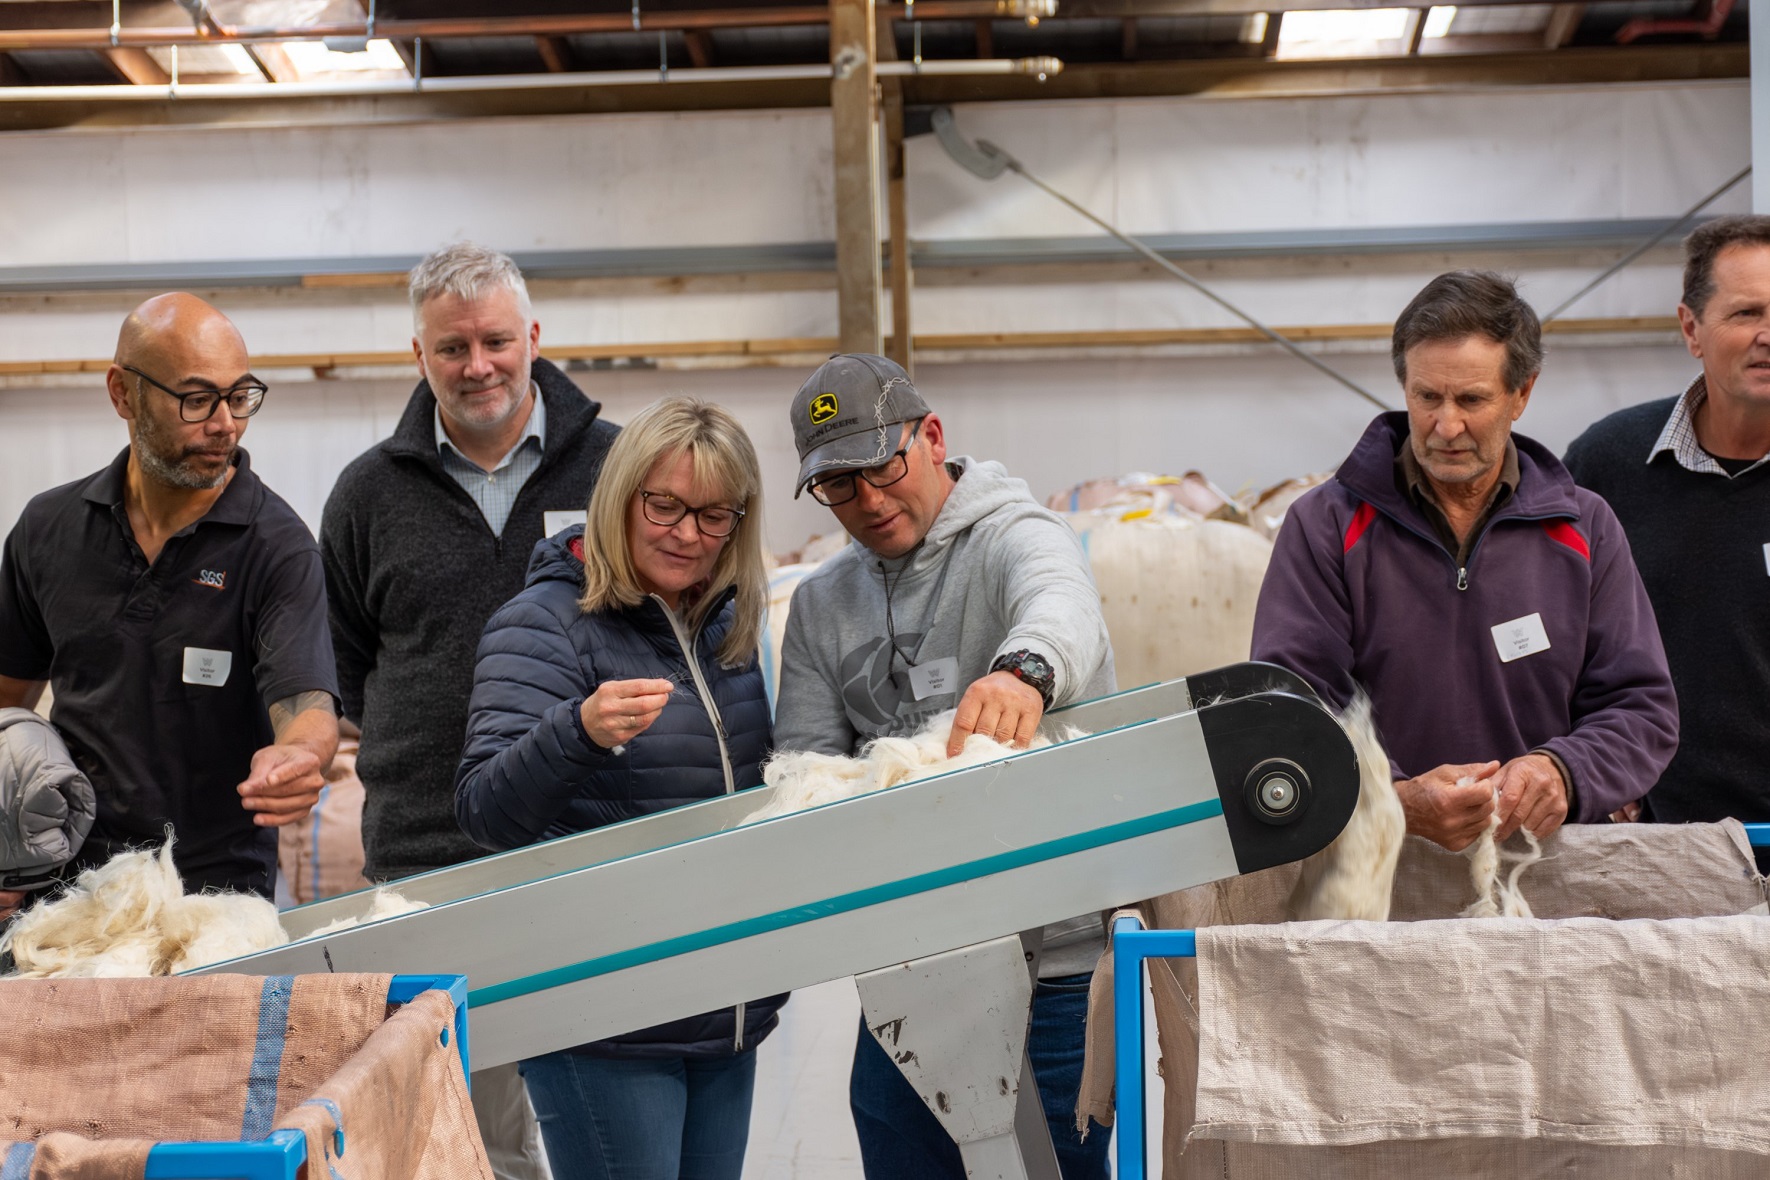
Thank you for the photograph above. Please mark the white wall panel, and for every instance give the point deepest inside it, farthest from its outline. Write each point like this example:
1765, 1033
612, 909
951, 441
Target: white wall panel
1246, 421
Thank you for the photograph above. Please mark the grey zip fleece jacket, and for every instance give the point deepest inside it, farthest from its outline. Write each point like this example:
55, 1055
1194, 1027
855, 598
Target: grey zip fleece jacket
997, 572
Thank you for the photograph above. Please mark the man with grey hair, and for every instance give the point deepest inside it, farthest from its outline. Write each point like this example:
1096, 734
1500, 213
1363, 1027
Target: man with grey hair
1689, 477
427, 533
1490, 608
176, 605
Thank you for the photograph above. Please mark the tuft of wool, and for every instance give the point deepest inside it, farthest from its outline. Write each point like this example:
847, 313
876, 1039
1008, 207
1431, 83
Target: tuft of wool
1354, 877
1496, 897
131, 917
383, 903
802, 780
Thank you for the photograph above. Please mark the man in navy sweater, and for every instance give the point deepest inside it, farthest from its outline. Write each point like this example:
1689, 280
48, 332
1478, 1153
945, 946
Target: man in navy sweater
1689, 477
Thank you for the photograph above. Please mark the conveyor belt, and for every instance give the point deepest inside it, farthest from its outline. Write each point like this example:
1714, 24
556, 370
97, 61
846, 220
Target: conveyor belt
683, 912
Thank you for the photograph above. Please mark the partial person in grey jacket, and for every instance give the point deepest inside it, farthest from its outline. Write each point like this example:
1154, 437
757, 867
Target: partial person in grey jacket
46, 804
960, 591
424, 536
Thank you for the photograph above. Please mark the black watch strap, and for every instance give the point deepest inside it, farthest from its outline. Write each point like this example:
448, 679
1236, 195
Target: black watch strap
1032, 669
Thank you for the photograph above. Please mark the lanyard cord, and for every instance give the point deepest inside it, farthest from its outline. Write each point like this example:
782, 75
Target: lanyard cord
890, 626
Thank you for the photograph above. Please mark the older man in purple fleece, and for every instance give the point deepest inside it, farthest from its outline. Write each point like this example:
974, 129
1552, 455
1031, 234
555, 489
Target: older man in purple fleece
1491, 608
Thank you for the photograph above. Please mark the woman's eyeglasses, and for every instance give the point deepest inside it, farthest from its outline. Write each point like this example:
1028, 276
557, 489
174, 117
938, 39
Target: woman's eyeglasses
715, 520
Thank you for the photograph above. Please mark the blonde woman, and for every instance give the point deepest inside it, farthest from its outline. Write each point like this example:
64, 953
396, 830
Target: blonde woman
623, 681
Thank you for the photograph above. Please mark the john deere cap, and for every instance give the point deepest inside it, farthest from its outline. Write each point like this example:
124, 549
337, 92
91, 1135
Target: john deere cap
851, 414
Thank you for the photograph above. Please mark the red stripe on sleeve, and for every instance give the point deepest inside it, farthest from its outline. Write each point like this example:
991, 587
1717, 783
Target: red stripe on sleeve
1361, 520
1564, 532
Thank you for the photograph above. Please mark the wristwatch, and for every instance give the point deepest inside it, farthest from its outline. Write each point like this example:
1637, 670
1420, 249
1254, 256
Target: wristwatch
1032, 668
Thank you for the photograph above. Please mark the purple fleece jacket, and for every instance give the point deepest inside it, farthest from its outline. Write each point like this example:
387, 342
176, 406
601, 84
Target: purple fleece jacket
1360, 590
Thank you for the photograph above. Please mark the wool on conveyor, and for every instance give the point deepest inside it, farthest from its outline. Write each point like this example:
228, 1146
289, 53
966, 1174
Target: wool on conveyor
801, 780
131, 917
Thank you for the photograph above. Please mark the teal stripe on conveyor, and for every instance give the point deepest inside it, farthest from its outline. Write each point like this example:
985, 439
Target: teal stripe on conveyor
1001, 862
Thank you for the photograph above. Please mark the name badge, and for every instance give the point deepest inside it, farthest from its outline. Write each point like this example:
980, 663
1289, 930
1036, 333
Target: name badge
202, 666
934, 678
552, 522
1521, 637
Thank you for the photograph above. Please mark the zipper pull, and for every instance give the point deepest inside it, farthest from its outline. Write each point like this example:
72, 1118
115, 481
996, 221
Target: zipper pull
1463, 578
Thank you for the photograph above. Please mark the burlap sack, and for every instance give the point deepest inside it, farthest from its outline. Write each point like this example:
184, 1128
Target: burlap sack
322, 856
1613, 871
401, 1104
94, 1071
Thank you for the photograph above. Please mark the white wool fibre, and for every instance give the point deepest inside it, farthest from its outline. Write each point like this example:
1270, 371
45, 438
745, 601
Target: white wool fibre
130, 917
1354, 877
384, 903
802, 780
1494, 897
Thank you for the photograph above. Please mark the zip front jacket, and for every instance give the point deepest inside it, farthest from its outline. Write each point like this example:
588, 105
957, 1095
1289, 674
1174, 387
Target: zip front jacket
529, 772
1544, 640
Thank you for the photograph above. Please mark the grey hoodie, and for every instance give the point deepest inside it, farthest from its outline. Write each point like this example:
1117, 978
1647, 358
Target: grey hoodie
997, 572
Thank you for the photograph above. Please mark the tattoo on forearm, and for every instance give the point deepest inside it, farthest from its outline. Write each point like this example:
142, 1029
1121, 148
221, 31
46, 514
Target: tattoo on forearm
284, 712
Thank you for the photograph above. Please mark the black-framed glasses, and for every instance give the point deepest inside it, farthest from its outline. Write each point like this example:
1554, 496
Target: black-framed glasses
715, 520
832, 490
199, 405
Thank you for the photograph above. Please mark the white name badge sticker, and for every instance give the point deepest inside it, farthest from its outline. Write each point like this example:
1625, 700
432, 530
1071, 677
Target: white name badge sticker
933, 679
202, 666
552, 522
1520, 637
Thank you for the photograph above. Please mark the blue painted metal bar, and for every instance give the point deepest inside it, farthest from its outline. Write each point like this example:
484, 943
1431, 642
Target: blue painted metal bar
1131, 945
281, 1154
278, 1157
406, 988
1758, 834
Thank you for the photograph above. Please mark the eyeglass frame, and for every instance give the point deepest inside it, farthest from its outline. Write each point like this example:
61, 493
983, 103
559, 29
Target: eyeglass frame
900, 453
221, 395
700, 526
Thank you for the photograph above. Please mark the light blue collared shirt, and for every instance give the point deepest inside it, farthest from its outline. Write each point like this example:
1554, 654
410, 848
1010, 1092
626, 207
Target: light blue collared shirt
495, 491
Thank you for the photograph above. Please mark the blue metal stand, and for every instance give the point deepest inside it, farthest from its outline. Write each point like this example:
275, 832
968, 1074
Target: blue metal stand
282, 1154
1131, 945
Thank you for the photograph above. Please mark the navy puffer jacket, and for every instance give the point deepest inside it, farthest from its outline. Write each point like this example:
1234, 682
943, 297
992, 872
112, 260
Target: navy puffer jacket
529, 772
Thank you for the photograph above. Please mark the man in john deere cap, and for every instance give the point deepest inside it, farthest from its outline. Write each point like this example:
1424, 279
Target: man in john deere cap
959, 591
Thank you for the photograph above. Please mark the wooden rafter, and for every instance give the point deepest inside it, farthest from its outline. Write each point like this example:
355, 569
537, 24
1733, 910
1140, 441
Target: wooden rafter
137, 67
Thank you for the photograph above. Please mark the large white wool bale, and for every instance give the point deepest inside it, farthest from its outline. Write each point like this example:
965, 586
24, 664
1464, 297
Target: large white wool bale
1178, 593
1267, 512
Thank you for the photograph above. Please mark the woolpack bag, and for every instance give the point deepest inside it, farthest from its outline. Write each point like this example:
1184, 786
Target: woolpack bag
322, 856
1295, 1001
93, 1072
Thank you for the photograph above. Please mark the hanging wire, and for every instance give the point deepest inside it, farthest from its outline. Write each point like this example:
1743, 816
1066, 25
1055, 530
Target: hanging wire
1670, 228
1306, 357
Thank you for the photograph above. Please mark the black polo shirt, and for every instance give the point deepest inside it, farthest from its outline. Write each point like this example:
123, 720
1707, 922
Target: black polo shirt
163, 674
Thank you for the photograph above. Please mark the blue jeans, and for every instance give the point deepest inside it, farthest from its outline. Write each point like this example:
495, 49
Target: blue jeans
900, 1139
670, 1118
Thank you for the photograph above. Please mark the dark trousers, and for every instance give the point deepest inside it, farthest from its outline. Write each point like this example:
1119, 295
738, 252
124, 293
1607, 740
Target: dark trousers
900, 1139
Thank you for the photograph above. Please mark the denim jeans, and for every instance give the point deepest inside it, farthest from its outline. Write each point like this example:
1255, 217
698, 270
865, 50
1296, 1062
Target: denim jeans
670, 1118
900, 1139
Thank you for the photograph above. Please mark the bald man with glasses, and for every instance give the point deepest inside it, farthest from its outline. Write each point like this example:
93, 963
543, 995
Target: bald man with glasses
961, 592
177, 606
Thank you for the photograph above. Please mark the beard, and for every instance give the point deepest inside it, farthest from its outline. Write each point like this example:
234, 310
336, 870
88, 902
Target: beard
166, 460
